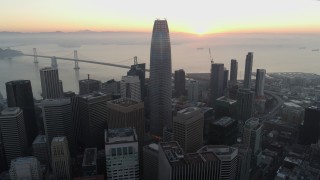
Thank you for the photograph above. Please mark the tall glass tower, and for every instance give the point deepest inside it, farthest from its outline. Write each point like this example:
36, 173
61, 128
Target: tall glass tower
160, 90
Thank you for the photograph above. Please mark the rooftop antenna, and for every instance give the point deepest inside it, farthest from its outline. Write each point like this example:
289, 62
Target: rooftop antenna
211, 59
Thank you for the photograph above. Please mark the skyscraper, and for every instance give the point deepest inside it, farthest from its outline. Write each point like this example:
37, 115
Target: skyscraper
130, 87
140, 71
245, 101
216, 81
188, 129
244, 158
193, 90
61, 161
13, 133
248, 71
252, 134
122, 154
19, 94
93, 119
225, 79
228, 157
50, 83
57, 117
179, 83
87, 86
151, 161
233, 72
310, 130
25, 168
260, 78
160, 78
40, 150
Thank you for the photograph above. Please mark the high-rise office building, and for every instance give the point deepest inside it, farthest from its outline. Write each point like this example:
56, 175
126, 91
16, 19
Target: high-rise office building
25, 168
225, 106
122, 154
127, 113
130, 87
216, 81
174, 164
40, 150
244, 158
50, 83
248, 71
310, 130
225, 79
252, 134
228, 157
140, 71
61, 161
87, 86
111, 87
151, 161
13, 133
245, 101
3, 163
89, 163
223, 131
260, 79
19, 94
57, 117
179, 83
160, 90
193, 90
233, 72
93, 118
188, 129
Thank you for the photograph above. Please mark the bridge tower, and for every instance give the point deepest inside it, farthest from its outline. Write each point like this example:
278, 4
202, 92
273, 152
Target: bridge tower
35, 55
54, 63
76, 62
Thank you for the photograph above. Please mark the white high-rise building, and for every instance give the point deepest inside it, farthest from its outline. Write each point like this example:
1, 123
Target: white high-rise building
25, 168
130, 87
61, 161
50, 84
260, 78
193, 90
122, 154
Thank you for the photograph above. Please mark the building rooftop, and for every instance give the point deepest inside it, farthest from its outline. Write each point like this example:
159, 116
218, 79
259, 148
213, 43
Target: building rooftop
48, 69
125, 102
176, 156
130, 79
89, 81
55, 102
10, 111
26, 159
223, 152
291, 104
153, 146
18, 82
224, 121
253, 123
90, 157
59, 139
93, 95
227, 100
314, 108
40, 139
120, 135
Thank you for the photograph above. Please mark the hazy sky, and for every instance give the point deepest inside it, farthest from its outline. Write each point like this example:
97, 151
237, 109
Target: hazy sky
194, 16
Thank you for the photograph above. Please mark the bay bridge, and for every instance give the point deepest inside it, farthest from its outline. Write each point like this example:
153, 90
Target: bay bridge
76, 60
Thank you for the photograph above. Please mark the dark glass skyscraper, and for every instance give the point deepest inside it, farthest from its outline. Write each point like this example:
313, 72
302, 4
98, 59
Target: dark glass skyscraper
216, 81
248, 71
310, 130
233, 72
160, 90
19, 94
180, 83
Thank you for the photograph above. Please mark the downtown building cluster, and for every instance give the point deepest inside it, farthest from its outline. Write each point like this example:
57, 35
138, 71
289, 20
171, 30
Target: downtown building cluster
152, 129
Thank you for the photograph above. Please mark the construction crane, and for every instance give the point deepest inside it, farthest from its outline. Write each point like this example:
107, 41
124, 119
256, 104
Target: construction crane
211, 59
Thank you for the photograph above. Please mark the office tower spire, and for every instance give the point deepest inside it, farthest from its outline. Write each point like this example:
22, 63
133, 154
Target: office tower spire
160, 78
248, 71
